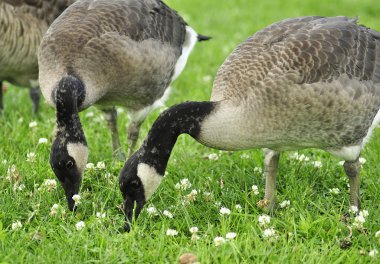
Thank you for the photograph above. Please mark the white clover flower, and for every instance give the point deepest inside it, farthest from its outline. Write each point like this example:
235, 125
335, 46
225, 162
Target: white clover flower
264, 220
258, 170
213, 156
230, 235
359, 221
244, 156
194, 237
285, 203
377, 234
12, 173
192, 196
21, 187
238, 207
302, 157
207, 196
184, 184
334, 191
255, 190
101, 165
373, 253
80, 225
76, 198
353, 209
54, 210
224, 211
171, 232
16, 225
89, 114
193, 229
207, 78
51, 184
269, 232
31, 157
20, 120
317, 164
90, 166
42, 141
219, 241
362, 160
364, 213
32, 124
341, 162
167, 214
4, 162
100, 215
152, 210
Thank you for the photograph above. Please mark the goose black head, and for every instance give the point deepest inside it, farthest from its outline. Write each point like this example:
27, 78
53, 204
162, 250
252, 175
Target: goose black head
69, 151
138, 181
68, 160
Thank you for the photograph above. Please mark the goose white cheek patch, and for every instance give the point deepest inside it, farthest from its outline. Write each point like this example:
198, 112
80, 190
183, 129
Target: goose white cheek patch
79, 153
149, 178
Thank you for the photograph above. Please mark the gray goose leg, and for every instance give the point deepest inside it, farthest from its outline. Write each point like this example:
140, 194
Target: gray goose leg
270, 172
1, 97
35, 95
111, 117
352, 169
133, 135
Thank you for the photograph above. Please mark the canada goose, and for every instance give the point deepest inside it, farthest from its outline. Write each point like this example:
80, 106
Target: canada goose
23, 23
121, 52
309, 82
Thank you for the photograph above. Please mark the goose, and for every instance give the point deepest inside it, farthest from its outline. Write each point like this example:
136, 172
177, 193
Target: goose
23, 23
308, 82
107, 53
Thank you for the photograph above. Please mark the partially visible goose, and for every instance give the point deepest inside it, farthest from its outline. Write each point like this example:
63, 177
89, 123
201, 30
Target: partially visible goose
121, 52
22, 25
309, 82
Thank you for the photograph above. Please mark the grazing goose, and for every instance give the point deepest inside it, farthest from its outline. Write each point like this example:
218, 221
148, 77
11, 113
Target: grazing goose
22, 25
309, 82
121, 52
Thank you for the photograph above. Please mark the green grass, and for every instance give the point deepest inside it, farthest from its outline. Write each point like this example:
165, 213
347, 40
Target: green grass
309, 231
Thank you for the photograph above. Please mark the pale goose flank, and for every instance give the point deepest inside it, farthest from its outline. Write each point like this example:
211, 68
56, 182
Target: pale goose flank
121, 52
309, 82
22, 25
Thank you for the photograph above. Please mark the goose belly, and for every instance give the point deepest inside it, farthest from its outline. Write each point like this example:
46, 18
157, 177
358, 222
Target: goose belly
320, 115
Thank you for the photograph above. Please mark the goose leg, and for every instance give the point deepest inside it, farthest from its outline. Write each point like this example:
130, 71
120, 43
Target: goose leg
133, 135
270, 172
1, 97
352, 169
35, 95
133, 130
111, 117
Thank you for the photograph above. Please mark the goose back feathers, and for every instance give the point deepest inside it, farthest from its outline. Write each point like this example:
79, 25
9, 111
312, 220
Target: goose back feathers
125, 52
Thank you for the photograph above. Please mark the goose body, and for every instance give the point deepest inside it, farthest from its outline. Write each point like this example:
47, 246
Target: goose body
106, 53
23, 24
309, 82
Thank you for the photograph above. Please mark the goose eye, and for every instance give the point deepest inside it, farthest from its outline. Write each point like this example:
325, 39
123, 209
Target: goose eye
69, 164
135, 183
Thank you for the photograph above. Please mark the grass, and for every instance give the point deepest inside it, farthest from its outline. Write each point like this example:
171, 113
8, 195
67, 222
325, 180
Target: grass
309, 231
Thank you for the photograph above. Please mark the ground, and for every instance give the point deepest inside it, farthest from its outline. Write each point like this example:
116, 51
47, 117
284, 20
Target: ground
308, 230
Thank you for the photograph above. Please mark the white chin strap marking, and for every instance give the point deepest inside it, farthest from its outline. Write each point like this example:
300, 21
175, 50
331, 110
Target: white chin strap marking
149, 178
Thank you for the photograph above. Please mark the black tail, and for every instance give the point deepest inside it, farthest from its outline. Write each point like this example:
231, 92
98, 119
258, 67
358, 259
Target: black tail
203, 38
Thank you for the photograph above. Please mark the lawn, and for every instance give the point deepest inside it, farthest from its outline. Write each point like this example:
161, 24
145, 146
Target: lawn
309, 230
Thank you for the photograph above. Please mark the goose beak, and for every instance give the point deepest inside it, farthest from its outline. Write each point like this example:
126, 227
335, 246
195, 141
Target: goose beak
70, 190
132, 209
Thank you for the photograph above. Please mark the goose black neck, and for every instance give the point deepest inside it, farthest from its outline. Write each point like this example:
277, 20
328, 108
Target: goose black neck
182, 118
69, 96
